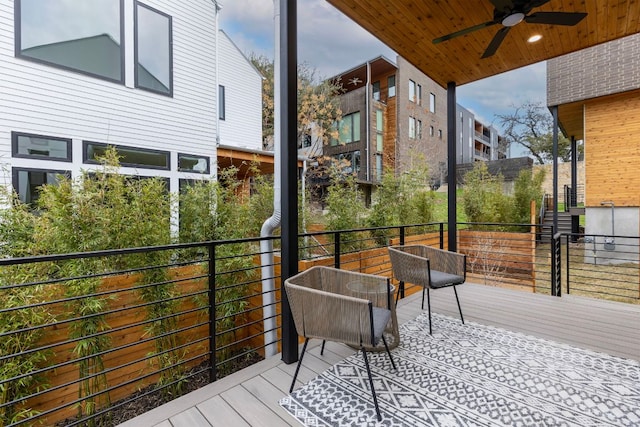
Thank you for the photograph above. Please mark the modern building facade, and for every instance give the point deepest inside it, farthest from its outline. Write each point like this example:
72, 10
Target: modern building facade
597, 93
156, 79
477, 141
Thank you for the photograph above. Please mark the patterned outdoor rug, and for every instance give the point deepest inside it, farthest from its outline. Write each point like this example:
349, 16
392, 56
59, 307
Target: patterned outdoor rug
473, 375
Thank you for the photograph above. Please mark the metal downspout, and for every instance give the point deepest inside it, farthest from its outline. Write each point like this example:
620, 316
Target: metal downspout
273, 222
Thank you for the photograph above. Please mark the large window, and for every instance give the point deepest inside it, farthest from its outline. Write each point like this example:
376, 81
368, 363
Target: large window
129, 156
348, 129
349, 162
391, 82
85, 36
153, 50
375, 87
191, 163
412, 127
412, 91
40, 147
379, 129
27, 182
432, 103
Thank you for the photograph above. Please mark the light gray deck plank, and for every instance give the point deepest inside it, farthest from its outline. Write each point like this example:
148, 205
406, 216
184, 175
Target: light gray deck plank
165, 423
250, 397
220, 414
253, 410
189, 418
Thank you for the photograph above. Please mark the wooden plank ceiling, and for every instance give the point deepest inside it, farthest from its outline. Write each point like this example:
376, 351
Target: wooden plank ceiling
409, 27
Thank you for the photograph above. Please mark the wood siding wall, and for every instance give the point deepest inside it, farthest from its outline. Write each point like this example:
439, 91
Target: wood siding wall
612, 150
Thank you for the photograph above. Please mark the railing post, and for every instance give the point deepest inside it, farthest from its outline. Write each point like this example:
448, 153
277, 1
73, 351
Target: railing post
441, 235
212, 312
402, 240
336, 248
567, 263
556, 263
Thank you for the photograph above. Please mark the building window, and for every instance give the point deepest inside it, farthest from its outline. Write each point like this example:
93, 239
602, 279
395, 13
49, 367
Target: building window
349, 128
419, 129
129, 156
379, 166
419, 95
412, 127
28, 182
40, 147
391, 83
432, 103
412, 91
306, 140
431, 130
72, 35
221, 103
379, 129
440, 133
375, 88
153, 50
191, 163
349, 162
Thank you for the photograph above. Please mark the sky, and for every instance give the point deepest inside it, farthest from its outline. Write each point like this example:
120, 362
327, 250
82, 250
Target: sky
331, 43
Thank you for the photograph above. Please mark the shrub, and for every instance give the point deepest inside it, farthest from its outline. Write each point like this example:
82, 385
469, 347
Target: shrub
483, 197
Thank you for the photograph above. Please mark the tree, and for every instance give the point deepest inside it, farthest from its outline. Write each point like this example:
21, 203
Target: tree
531, 125
318, 105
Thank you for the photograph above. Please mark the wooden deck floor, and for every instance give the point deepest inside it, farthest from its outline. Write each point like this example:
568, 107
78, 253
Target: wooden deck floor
250, 397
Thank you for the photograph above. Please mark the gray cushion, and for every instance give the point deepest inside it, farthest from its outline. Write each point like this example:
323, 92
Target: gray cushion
440, 279
381, 317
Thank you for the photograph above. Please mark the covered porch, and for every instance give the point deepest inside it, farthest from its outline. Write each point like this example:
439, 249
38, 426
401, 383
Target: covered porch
250, 397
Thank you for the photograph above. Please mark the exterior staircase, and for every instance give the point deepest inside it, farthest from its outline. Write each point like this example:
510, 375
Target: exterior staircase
564, 224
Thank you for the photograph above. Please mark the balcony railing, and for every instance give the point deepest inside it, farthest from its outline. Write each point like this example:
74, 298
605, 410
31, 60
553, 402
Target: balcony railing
84, 334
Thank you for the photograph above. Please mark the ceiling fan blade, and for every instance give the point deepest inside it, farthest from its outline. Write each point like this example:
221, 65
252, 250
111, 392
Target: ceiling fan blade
463, 32
496, 42
555, 18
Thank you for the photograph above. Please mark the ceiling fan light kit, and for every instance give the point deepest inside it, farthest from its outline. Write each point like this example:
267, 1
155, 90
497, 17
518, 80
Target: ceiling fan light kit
509, 13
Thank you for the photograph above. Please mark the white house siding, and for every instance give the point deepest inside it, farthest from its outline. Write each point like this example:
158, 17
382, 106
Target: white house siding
242, 126
45, 100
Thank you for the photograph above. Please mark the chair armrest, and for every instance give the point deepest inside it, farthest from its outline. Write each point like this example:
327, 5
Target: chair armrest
447, 261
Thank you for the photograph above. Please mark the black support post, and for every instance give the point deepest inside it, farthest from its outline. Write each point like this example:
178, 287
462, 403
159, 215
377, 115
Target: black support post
289, 168
575, 219
554, 112
451, 166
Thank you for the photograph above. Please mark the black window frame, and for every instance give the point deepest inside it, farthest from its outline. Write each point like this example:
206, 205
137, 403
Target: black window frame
375, 90
16, 154
86, 160
17, 9
391, 83
137, 3
222, 102
206, 172
15, 170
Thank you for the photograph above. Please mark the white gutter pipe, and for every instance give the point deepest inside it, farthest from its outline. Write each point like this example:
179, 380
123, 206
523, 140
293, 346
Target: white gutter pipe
273, 222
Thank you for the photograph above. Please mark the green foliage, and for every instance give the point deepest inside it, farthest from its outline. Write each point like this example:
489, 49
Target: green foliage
527, 187
346, 209
484, 200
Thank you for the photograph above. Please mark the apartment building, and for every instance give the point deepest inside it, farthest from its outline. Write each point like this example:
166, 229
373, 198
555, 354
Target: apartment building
156, 79
477, 141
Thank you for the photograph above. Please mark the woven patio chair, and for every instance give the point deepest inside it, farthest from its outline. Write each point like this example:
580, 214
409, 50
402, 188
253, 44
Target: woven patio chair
429, 267
341, 306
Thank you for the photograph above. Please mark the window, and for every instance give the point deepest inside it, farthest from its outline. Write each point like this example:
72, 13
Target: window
375, 88
221, 103
129, 156
40, 147
306, 140
27, 182
419, 95
432, 103
391, 83
431, 130
440, 133
79, 36
412, 91
379, 129
191, 163
153, 50
379, 166
412, 128
349, 162
348, 129
419, 129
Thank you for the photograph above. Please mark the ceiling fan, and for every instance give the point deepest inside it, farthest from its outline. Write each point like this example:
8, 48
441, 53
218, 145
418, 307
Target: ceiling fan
512, 12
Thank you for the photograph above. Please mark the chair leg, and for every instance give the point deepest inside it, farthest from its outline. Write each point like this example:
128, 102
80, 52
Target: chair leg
424, 289
458, 301
373, 392
388, 352
304, 348
429, 306
322, 348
